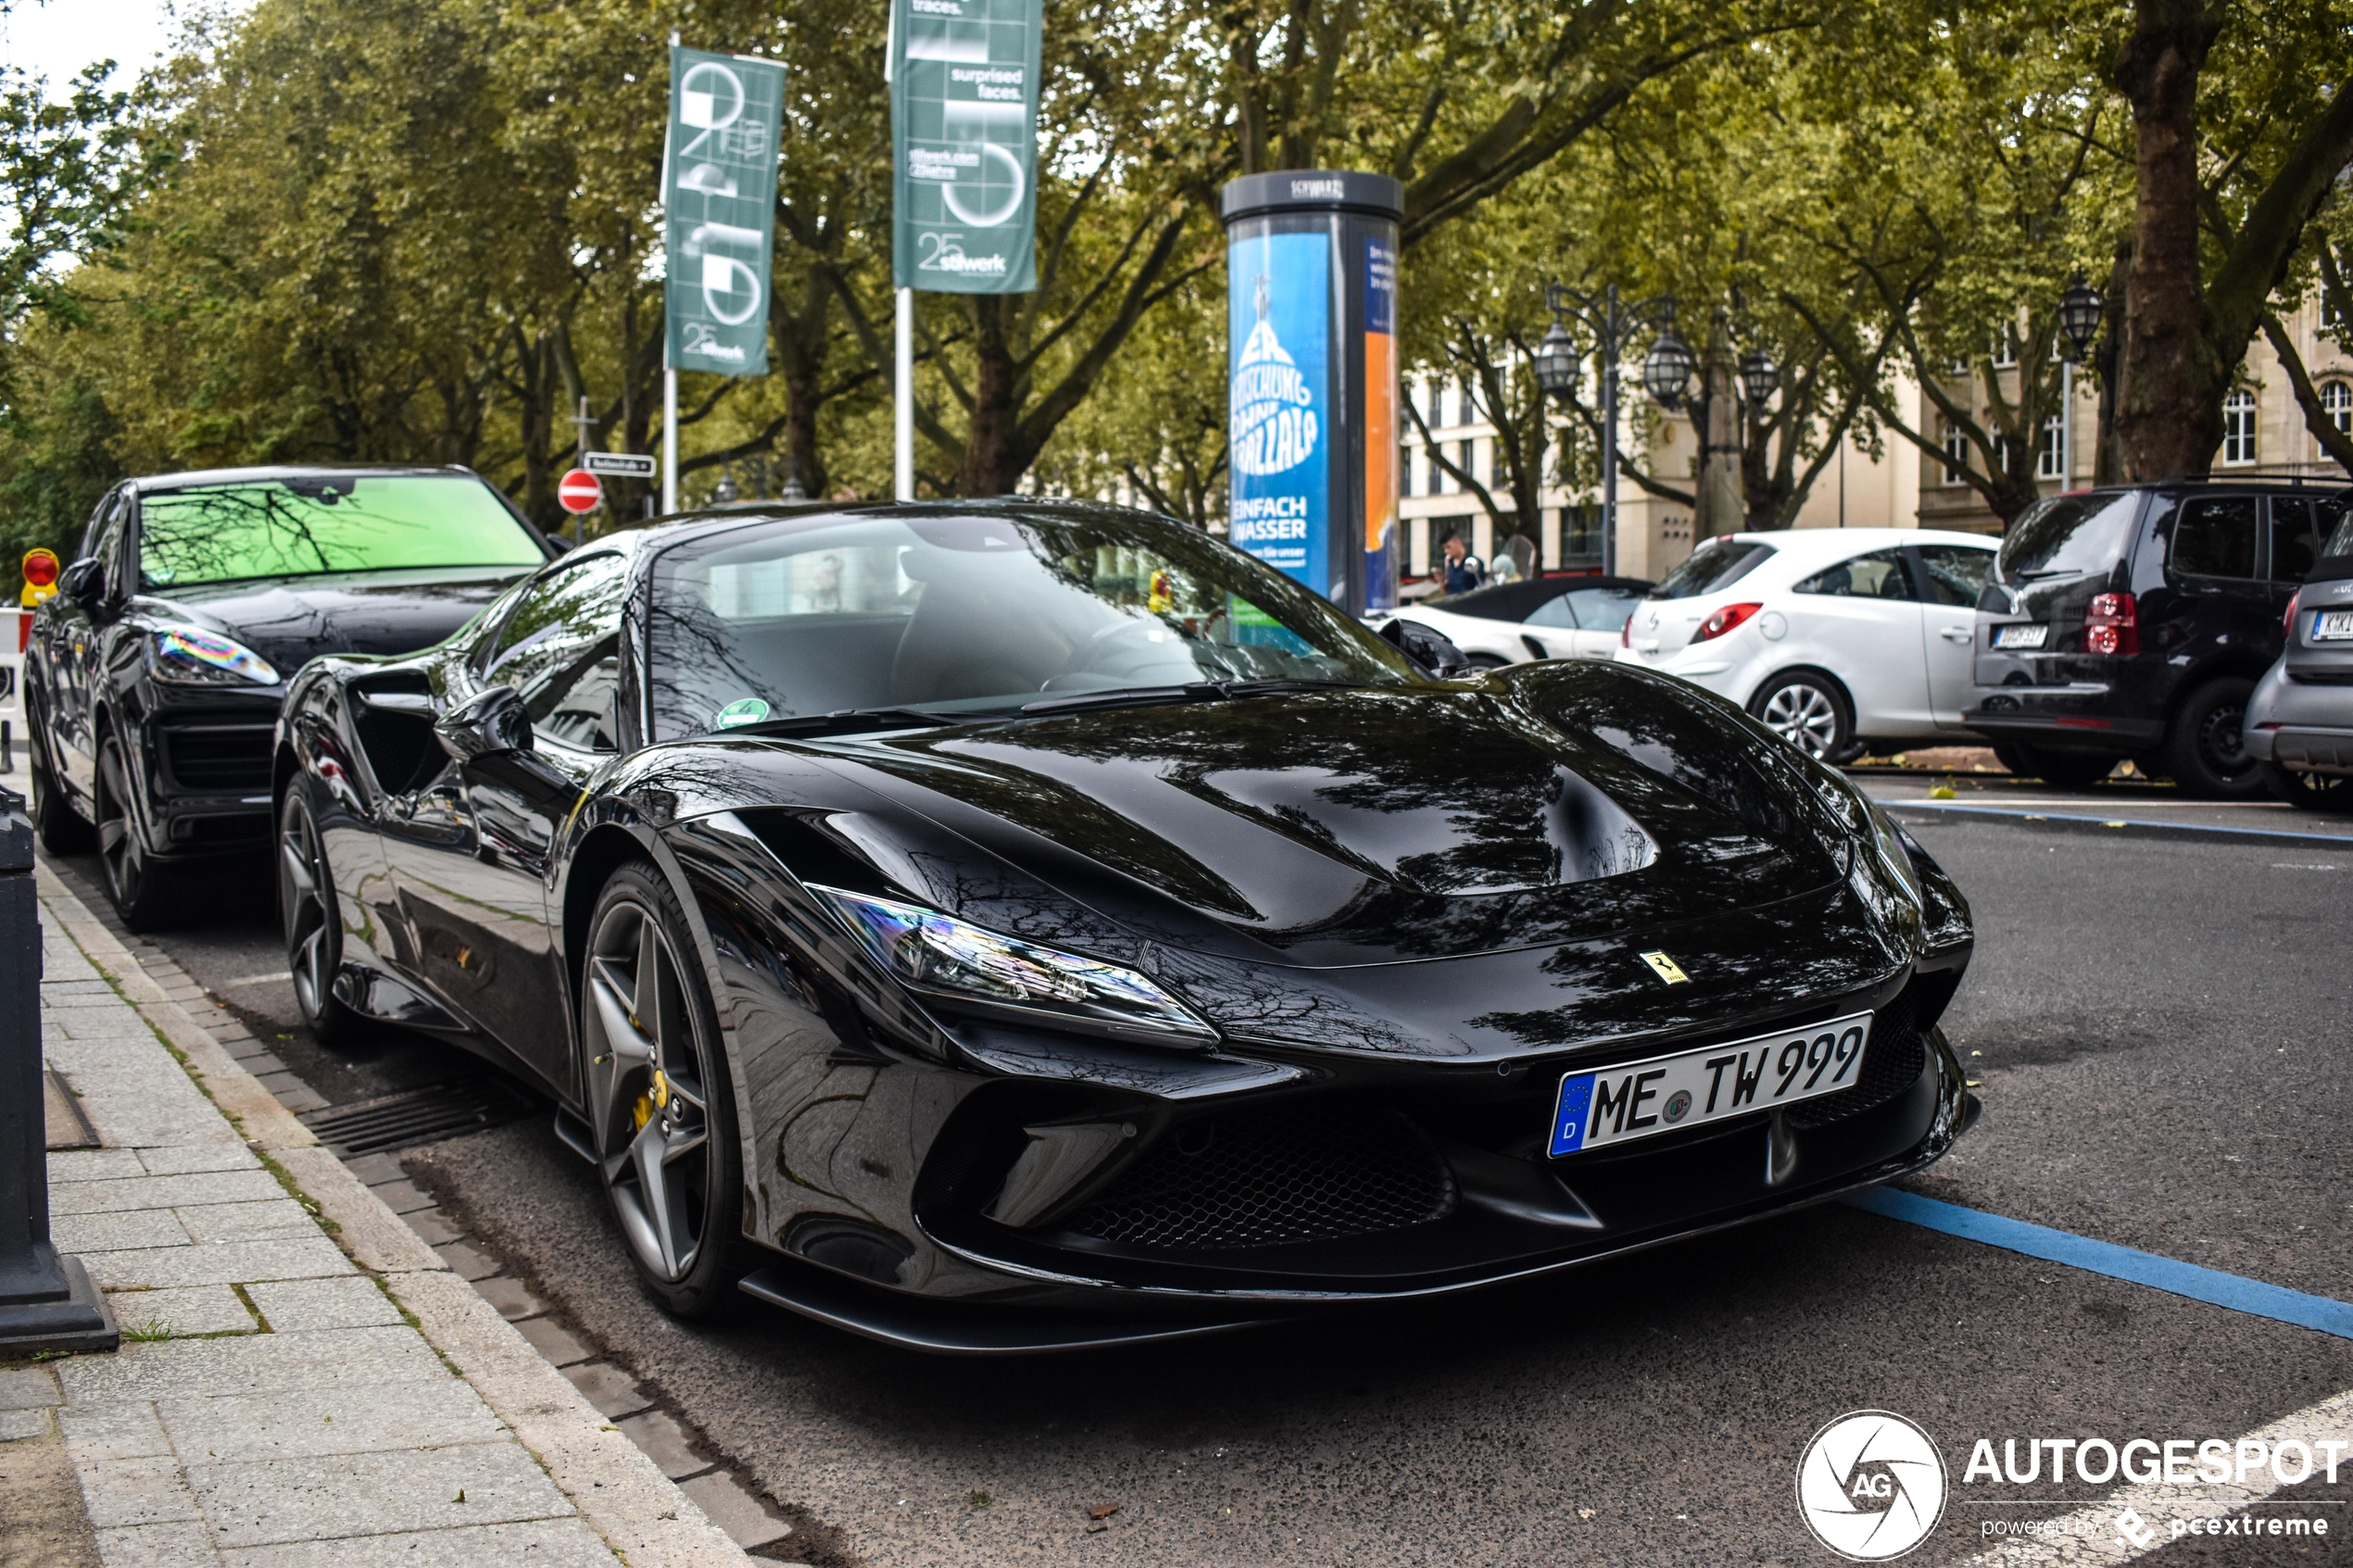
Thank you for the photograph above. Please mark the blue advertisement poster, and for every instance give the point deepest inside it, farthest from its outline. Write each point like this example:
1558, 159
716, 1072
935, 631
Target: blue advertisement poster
1278, 410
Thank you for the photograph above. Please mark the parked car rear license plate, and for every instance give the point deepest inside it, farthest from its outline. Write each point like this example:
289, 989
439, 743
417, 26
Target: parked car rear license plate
2333, 626
2029, 637
1641, 1099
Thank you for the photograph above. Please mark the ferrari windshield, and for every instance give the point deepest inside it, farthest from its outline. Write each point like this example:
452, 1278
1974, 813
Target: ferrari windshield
305, 526
976, 614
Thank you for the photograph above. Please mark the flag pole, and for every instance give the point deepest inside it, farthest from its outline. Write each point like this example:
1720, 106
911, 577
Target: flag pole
904, 413
669, 371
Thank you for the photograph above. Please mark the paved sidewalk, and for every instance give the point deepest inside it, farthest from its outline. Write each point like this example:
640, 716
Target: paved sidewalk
302, 1380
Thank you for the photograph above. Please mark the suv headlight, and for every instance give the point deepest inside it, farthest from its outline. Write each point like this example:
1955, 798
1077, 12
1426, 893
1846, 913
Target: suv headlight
985, 971
192, 656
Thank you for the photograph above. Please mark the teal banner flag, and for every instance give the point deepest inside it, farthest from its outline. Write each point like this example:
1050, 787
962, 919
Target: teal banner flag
719, 208
964, 131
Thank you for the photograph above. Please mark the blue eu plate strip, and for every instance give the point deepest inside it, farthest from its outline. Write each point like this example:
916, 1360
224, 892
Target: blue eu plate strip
1569, 1113
2210, 1286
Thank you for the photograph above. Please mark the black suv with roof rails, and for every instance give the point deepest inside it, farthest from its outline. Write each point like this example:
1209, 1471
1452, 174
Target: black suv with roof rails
2135, 621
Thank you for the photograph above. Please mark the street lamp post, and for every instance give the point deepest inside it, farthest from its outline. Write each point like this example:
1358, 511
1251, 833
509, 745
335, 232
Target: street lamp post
2080, 309
1611, 321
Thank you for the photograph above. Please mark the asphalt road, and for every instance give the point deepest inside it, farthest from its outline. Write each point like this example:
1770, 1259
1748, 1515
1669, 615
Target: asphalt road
2155, 1020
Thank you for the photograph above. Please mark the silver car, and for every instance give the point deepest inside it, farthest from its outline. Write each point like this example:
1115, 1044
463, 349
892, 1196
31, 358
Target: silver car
2299, 723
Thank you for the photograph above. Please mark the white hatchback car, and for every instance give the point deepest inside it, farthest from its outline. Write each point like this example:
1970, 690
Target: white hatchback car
1542, 618
1831, 637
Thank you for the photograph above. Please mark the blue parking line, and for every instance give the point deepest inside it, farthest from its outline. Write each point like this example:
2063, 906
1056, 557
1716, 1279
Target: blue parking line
2210, 1286
2343, 840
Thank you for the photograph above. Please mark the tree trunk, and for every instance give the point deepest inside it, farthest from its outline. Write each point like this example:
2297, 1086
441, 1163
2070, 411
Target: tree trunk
992, 466
1717, 507
2169, 415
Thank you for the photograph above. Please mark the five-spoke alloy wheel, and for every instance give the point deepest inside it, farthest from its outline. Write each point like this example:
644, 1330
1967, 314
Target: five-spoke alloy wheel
314, 921
657, 1093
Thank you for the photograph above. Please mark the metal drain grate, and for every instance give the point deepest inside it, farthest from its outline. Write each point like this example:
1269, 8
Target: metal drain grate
418, 1116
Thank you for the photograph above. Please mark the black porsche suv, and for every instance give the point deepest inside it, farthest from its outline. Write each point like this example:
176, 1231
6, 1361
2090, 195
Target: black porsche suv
153, 676
2134, 622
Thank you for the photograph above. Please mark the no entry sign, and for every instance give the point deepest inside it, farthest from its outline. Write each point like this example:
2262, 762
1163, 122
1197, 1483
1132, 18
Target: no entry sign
580, 492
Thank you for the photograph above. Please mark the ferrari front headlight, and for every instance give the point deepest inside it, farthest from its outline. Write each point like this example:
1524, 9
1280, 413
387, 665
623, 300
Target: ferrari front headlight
987, 972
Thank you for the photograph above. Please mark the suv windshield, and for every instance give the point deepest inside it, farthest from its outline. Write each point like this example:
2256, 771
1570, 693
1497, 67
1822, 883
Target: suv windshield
975, 614
2069, 533
1720, 563
334, 523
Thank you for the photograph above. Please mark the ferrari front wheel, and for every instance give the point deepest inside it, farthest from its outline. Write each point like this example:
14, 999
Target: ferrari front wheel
658, 1095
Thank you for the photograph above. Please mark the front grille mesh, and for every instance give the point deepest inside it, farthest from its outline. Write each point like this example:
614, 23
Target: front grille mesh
1271, 1177
219, 756
1891, 1064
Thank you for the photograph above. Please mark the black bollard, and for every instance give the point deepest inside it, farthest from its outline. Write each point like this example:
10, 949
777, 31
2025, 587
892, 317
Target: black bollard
46, 1300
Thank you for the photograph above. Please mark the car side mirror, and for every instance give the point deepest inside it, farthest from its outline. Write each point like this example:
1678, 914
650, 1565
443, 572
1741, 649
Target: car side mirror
85, 582
488, 725
1434, 651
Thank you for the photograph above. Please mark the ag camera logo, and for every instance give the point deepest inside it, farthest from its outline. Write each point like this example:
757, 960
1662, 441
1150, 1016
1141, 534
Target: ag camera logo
1871, 1485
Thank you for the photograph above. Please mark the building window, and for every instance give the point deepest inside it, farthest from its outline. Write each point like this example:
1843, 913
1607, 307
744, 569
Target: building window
1956, 454
2050, 452
2336, 406
2331, 308
2238, 428
2004, 347
1466, 457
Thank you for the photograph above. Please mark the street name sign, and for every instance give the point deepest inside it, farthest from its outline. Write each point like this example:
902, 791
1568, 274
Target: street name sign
579, 492
963, 136
719, 208
622, 465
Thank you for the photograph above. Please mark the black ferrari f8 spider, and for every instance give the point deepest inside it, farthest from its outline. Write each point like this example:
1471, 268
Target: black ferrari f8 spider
1002, 926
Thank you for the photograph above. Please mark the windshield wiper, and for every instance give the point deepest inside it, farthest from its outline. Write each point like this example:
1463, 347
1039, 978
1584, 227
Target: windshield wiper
852, 719
1275, 685
1127, 696
1198, 691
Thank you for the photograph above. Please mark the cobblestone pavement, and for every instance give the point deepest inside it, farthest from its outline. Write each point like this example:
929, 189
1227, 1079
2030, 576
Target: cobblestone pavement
302, 1379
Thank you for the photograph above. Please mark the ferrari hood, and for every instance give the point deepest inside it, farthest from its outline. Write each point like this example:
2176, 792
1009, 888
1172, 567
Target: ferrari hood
1343, 827
290, 620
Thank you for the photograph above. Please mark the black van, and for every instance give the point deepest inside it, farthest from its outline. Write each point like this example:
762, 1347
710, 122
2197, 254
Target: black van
2135, 623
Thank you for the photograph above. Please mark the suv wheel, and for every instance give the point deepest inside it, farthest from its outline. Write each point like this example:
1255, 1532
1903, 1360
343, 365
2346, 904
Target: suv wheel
2069, 769
136, 886
1808, 709
2204, 751
62, 830
2309, 792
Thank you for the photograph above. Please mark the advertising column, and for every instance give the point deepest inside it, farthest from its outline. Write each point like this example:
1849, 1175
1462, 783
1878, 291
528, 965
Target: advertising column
1311, 262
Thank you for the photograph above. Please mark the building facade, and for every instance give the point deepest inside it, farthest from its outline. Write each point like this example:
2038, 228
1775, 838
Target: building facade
1899, 487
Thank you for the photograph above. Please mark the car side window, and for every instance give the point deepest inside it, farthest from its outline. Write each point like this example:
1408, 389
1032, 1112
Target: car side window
1876, 576
1556, 613
573, 703
2213, 537
1603, 610
2295, 538
555, 621
1953, 574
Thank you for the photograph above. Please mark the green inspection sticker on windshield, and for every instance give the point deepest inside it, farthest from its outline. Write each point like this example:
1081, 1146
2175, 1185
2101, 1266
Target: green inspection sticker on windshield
745, 711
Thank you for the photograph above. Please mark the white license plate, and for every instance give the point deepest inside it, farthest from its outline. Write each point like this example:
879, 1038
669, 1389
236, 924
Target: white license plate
2333, 626
2020, 636
1643, 1099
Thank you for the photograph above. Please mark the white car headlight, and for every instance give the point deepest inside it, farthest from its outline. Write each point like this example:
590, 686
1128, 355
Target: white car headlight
985, 972
192, 656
